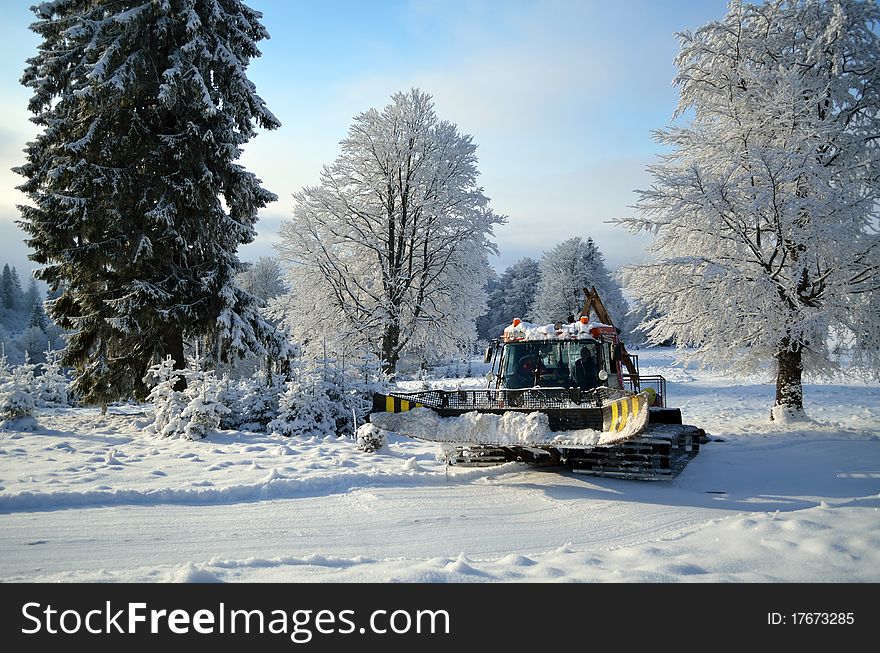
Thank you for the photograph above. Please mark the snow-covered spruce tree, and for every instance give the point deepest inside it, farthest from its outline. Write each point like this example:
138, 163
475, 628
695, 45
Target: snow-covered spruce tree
17, 397
51, 385
229, 393
765, 208
34, 342
168, 402
259, 401
391, 247
305, 409
567, 269
138, 204
512, 296
204, 412
38, 317
16, 405
11, 295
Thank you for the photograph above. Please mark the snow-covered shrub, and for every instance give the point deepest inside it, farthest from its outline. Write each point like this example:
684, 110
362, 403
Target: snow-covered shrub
371, 438
16, 401
204, 411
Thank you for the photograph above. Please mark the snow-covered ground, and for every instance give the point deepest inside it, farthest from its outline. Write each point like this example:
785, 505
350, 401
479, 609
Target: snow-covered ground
92, 498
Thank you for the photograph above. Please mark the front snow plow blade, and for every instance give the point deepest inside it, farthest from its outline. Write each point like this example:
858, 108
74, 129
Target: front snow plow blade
604, 431
619, 415
624, 418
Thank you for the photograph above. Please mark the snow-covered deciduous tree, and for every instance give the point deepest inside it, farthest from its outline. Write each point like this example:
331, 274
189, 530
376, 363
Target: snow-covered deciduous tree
138, 204
263, 279
766, 206
390, 250
566, 270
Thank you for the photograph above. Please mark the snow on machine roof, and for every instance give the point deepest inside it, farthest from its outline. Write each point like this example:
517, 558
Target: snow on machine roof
581, 329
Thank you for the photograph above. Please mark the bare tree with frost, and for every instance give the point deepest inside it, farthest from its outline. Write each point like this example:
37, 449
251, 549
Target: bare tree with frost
766, 206
139, 205
389, 252
264, 279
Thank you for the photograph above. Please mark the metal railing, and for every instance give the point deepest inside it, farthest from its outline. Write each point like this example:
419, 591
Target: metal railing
524, 399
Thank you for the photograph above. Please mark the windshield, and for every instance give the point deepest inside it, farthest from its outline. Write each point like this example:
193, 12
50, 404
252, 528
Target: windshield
550, 364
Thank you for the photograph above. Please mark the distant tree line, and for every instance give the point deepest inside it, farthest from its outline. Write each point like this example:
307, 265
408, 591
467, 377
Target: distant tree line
551, 290
24, 326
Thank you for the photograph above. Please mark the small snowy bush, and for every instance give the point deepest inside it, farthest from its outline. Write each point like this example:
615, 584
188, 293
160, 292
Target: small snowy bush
15, 403
16, 395
371, 438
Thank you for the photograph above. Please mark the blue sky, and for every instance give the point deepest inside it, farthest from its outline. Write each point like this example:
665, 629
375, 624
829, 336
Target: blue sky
561, 97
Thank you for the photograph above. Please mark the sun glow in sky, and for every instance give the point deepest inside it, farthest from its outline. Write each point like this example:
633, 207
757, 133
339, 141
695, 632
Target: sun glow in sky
561, 97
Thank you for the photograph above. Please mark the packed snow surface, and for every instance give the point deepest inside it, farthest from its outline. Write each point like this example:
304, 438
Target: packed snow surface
91, 498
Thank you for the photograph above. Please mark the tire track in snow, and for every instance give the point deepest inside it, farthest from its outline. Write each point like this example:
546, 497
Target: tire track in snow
273, 487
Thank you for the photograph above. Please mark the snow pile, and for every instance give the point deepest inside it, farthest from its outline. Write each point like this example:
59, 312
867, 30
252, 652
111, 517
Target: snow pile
788, 415
509, 428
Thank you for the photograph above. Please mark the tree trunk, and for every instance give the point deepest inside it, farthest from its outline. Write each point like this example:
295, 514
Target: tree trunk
174, 348
390, 354
789, 391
